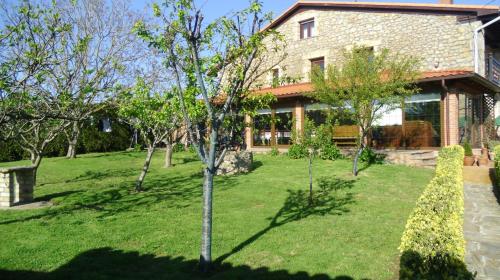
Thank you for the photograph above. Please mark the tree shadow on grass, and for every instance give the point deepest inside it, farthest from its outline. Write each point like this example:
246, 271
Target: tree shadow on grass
330, 199
256, 164
175, 192
49, 197
414, 266
99, 175
106, 263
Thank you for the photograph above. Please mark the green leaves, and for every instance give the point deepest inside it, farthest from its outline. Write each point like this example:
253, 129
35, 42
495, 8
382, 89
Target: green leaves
148, 109
156, 10
433, 245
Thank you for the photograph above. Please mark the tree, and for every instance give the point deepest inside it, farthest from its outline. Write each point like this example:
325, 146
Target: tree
315, 140
214, 65
31, 37
156, 115
97, 53
367, 85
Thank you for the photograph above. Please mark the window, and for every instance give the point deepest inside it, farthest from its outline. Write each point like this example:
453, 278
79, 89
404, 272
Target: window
262, 128
276, 77
273, 127
307, 29
283, 123
316, 112
318, 64
423, 120
368, 51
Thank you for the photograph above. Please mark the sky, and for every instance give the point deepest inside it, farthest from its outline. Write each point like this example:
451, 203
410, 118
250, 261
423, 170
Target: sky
217, 8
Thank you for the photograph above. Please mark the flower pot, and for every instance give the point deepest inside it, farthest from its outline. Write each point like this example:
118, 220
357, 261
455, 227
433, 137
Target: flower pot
469, 160
483, 161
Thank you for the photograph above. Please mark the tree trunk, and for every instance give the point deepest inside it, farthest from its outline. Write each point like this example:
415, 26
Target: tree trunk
310, 181
206, 228
36, 159
168, 155
73, 140
356, 160
145, 168
206, 231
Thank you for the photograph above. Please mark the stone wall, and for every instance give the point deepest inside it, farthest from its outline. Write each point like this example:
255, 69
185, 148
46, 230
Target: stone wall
440, 41
16, 186
236, 163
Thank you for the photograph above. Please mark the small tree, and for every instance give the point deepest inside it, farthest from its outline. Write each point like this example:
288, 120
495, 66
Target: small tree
317, 141
156, 115
367, 85
310, 141
217, 61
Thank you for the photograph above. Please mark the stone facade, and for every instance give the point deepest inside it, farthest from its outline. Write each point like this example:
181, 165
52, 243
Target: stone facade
441, 41
16, 185
236, 162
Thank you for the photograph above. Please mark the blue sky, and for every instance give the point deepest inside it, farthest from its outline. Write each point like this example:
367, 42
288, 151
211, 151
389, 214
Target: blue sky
216, 8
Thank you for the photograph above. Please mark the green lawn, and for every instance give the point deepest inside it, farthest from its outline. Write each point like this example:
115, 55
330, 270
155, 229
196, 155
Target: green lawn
263, 228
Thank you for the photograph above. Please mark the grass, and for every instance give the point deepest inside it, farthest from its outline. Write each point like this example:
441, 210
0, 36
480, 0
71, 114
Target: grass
263, 228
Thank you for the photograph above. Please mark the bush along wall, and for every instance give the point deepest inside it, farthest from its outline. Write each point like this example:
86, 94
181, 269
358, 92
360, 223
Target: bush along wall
433, 245
92, 140
497, 167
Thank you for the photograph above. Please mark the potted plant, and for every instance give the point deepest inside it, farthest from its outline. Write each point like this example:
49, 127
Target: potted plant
469, 157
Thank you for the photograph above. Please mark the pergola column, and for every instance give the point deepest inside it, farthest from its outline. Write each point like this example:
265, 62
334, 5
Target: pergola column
248, 131
449, 119
299, 116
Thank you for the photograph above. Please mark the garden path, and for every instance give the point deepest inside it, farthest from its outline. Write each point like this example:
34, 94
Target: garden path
482, 223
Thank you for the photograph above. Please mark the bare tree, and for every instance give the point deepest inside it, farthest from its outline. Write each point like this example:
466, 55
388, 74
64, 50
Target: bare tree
99, 53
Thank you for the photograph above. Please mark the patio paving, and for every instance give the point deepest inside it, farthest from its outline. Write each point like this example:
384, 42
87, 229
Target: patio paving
481, 223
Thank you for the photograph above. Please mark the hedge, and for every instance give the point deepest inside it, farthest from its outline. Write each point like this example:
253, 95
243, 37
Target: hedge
91, 140
497, 166
433, 245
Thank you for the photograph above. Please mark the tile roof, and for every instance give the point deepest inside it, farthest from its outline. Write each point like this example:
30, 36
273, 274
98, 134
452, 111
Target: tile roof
301, 88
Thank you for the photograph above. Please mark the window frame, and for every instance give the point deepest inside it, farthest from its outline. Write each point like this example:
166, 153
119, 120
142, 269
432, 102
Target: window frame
310, 28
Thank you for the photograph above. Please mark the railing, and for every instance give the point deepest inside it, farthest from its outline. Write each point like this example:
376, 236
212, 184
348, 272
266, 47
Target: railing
493, 68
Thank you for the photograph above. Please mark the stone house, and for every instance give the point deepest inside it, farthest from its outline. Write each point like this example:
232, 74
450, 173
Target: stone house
459, 46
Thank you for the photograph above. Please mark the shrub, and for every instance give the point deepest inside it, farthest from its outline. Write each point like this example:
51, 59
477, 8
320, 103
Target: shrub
274, 152
11, 151
297, 151
178, 147
467, 149
492, 144
433, 245
137, 148
192, 149
497, 166
368, 155
330, 152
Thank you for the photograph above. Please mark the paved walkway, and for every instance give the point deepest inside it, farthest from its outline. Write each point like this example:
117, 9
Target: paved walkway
481, 224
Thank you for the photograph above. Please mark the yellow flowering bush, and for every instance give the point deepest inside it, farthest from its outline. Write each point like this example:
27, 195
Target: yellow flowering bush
433, 245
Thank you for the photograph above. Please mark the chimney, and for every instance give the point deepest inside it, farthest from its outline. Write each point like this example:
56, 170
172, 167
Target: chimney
447, 2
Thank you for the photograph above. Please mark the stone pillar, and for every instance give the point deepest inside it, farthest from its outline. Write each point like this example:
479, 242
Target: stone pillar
248, 132
16, 186
299, 116
449, 123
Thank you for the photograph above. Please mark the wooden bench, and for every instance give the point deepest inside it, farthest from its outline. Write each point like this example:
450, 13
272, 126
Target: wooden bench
346, 135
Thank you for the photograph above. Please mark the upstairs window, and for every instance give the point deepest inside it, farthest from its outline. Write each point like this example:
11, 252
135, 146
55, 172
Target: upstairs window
318, 64
307, 29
